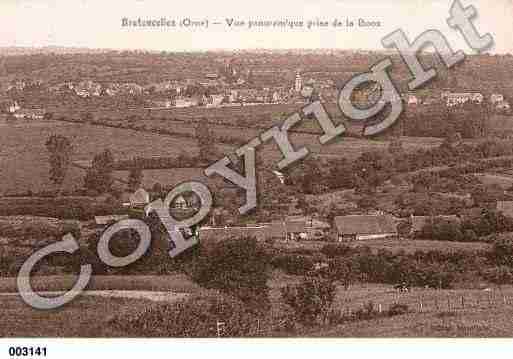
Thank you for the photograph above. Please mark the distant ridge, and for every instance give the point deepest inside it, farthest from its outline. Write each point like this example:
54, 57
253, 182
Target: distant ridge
16, 50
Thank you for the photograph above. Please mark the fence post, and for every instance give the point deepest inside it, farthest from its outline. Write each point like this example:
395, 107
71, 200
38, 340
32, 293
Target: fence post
504, 300
420, 306
379, 308
462, 302
436, 304
220, 328
449, 304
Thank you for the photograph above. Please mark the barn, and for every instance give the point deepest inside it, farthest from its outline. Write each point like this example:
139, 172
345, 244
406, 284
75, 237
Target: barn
364, 227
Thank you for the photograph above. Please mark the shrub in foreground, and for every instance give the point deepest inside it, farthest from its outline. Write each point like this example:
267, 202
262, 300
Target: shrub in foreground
310, 300
196, 317
237, 267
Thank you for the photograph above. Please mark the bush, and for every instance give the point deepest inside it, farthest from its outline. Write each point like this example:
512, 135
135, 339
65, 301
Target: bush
502, 252
344, 270
332, 250
499, 275
440, 229
195, 317
397, 309
310, 300
367, 312
293, 264
236, 266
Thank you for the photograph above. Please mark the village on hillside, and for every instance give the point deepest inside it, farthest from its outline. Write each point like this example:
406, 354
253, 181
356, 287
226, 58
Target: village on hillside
401, 227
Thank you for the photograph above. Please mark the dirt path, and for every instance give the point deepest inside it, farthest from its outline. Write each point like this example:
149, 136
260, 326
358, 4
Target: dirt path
128, 294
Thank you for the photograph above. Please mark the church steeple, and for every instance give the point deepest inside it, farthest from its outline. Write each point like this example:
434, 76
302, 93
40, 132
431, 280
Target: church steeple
298, 85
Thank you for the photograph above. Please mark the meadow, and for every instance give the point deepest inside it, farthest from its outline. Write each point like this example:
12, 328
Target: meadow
432, 313
24, 158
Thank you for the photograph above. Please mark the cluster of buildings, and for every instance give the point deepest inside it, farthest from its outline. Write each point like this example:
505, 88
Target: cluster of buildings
218, 93
12, 109
452, 99
89, 88
229, 87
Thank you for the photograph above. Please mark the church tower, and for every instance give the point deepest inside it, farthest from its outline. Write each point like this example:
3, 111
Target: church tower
298, 85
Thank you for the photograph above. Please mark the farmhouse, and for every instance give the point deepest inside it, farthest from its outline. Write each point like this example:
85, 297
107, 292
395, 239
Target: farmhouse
418, 222
103, 222
180, 202
315, 229
217, 234
364, 227
27, 114
280, 230
453, 99
186, 102
138, 199
412, 100
295, 230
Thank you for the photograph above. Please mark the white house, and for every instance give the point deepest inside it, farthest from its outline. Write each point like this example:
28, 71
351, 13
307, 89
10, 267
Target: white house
186, 102
413, 100
180, 202
454, 99
496, 98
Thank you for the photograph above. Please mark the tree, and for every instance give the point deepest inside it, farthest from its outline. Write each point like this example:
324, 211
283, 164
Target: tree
395, 147
502, 252
60, 149
344, 270
48, 116
205, 137
310, 300
341, 174
308, 175
99, 176
367, 202
373, 168
135, 176
499, 275
236, 266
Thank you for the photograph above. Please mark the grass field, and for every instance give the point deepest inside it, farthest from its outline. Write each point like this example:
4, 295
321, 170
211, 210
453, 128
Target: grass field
443, 313
482, 313
471, 323
85, 317
24, 159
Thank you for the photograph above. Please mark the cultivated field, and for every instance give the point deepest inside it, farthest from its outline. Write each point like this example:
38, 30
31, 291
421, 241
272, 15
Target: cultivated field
24, 158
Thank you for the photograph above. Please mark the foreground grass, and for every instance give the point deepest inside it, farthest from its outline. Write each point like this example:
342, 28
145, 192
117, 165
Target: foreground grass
84, 317
471, 323
443, 313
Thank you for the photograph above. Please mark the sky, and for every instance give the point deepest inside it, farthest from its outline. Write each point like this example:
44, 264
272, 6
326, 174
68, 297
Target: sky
97, 23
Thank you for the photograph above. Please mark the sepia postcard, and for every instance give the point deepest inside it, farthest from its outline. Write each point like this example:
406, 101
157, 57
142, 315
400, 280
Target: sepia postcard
268, 169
